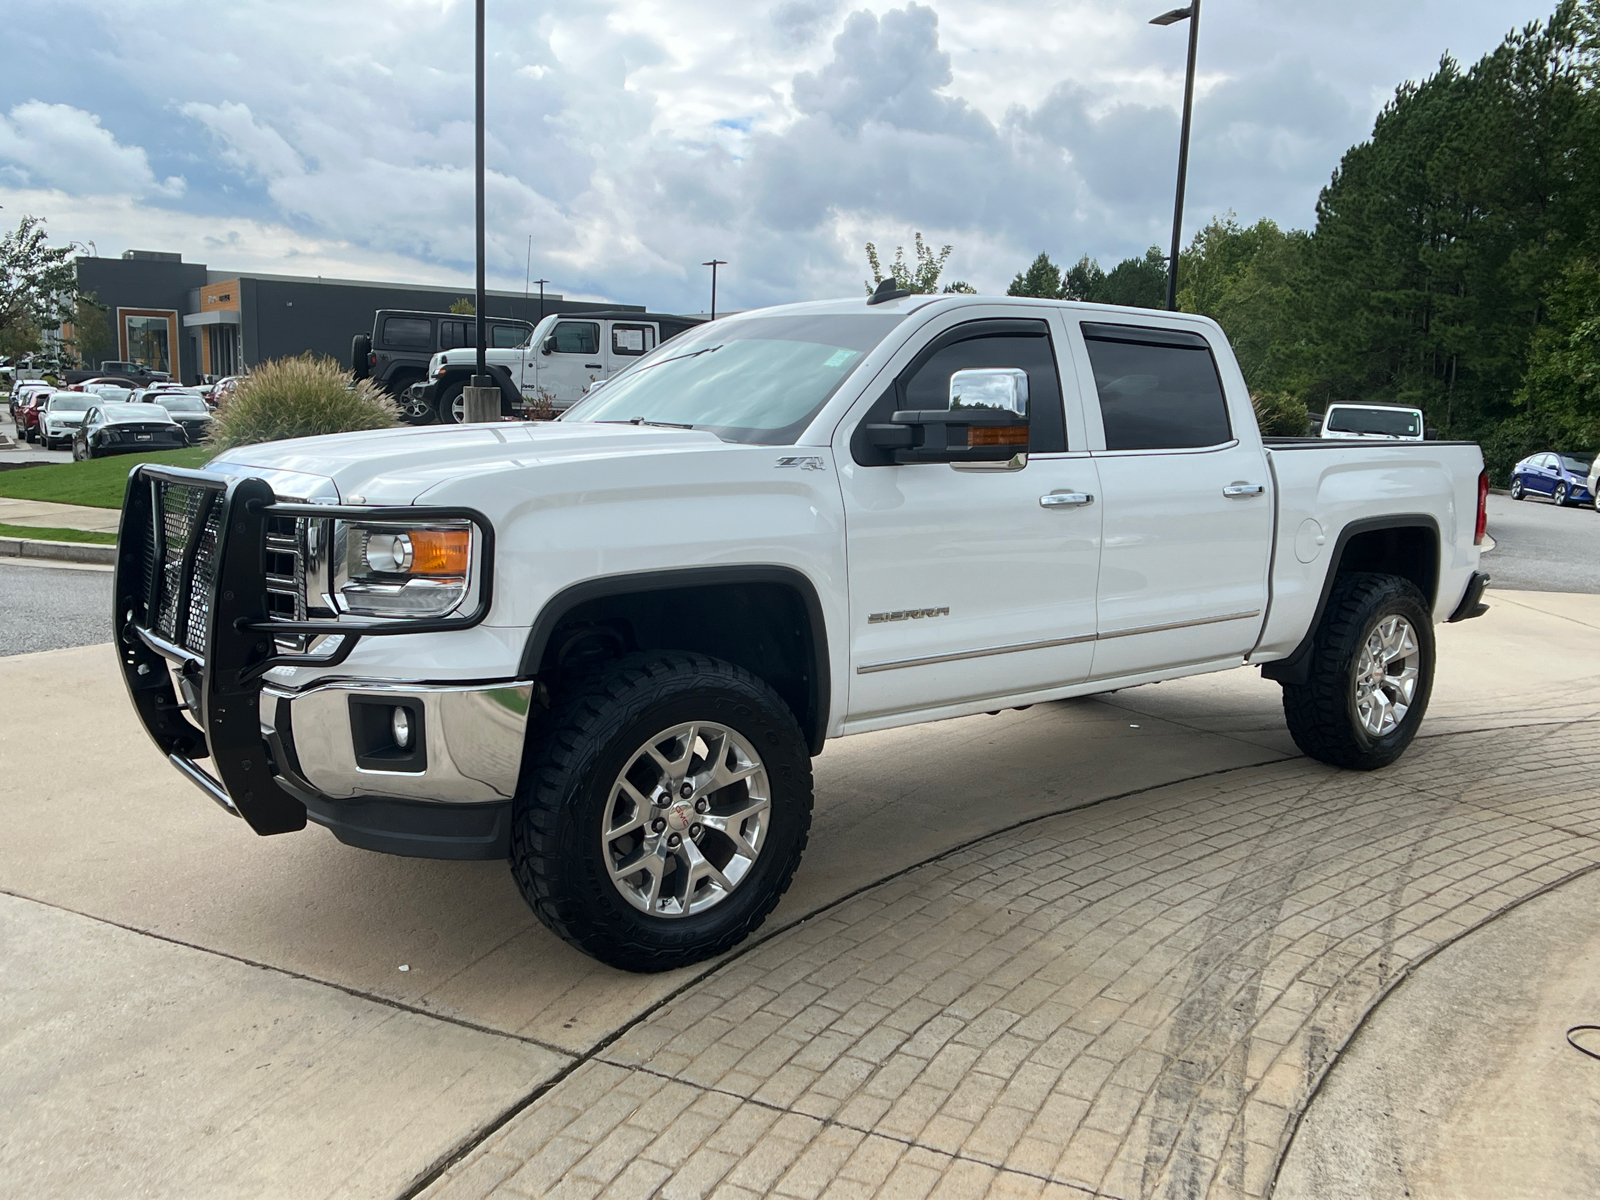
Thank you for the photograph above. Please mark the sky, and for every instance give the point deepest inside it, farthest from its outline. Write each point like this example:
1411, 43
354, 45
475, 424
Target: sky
631, 140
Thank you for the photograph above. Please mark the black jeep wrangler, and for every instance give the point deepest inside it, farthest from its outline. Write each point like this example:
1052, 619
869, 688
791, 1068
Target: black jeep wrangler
395, 355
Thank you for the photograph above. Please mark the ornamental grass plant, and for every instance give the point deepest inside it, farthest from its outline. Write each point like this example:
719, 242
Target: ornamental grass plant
299, 397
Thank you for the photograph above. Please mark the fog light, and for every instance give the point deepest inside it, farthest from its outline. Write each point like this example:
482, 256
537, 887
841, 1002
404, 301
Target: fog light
400, 724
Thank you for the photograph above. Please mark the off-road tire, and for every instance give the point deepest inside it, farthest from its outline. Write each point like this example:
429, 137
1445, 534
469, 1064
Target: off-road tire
587, 739
1321, 713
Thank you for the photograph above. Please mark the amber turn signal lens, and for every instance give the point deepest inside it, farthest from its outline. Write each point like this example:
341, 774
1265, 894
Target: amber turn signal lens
440, 551
997, 435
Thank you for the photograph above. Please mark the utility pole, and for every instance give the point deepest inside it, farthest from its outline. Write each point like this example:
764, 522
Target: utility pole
481, 401
1192, 15
714, 264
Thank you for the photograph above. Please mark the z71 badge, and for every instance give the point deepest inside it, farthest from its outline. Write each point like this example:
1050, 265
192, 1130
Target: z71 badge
907, 614
801, 462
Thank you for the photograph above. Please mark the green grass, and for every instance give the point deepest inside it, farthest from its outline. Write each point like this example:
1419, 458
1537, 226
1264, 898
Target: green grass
99, 483
57, 535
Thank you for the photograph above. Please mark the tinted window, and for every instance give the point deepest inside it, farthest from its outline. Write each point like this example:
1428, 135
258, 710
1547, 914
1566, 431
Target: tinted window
1158, 390
1395, 422
929, 388
408, 333
453, 334
506, 337
577, 337
186, 404
629, 340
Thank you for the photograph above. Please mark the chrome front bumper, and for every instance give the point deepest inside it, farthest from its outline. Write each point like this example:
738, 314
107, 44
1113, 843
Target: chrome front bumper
473, 737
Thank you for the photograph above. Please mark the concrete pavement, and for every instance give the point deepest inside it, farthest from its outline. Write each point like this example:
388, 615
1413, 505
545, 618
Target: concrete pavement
104, 834
41, 514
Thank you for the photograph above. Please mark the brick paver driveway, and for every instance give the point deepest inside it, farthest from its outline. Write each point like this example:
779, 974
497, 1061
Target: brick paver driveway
1132, 999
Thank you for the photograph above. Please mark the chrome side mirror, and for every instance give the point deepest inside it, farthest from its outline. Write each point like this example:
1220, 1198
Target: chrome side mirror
999, 389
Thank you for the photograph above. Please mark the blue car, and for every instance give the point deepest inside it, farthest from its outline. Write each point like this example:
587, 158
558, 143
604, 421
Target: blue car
1562, 477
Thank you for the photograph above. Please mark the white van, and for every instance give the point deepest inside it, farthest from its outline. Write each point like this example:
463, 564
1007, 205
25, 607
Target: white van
1389, 422
554, 368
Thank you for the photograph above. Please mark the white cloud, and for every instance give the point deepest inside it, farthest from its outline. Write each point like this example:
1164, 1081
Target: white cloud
56, 145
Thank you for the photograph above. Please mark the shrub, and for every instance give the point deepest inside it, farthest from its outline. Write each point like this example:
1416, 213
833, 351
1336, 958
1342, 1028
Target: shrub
299, 397
1279, 414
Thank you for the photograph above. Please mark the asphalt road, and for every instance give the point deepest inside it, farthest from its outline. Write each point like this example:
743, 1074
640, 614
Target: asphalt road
52, 607
1542, 548
1538, 547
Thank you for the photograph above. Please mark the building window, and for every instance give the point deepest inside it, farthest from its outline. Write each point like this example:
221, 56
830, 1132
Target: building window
150, 337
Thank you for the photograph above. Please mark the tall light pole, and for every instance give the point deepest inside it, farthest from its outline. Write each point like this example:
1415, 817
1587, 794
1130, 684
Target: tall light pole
541, 283
714, 264
482, 379
1192, 15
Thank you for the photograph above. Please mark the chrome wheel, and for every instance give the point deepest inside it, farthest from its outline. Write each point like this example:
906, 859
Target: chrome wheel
1386, 674
686, 820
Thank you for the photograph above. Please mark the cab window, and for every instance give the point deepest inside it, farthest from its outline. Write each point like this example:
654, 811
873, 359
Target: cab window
925, 384
1158, 388
576, 337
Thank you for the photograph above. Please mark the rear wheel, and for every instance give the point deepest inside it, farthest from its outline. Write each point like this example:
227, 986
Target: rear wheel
1517, 492
663, 811
1371, 674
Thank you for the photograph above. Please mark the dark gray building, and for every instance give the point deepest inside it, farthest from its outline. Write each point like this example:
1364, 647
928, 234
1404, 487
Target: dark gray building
192, 321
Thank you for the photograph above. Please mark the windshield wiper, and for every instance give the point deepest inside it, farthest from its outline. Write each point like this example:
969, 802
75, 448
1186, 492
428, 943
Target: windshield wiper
680, 357
642, 421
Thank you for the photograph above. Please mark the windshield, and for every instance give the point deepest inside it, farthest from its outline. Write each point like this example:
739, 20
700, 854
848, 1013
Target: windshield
1395, 422
184, 404
64, 402
1577, 464
758, 380
135, 412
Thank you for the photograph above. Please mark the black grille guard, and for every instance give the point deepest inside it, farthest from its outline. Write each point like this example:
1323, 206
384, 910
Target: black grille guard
158, 596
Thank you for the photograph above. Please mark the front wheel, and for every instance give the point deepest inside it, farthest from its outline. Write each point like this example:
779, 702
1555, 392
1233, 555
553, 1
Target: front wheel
1561, 495
663, 811
1371, 674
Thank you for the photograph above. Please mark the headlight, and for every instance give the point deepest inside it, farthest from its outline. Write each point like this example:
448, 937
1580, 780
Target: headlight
393, 570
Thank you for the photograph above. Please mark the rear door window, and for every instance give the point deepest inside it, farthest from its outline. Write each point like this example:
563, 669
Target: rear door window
453, 334
577, 337
408, 333
1159, 389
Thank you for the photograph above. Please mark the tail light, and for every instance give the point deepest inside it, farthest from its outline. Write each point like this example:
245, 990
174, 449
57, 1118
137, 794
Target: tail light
1483, 509
372, 358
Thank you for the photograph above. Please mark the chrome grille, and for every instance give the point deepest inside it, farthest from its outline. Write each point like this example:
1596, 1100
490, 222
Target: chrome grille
286, 568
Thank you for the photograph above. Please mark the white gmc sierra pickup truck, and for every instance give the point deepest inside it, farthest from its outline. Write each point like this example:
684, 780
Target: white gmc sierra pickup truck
606, 647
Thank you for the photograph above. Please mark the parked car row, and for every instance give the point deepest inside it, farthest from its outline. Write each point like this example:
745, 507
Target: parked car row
54, 417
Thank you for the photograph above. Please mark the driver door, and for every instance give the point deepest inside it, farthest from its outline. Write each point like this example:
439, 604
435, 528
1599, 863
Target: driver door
568, 360
974, 581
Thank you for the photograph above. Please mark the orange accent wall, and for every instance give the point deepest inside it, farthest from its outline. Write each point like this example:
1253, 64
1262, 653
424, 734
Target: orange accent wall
220, 297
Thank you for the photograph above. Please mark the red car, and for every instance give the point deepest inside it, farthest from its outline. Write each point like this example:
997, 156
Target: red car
26, 417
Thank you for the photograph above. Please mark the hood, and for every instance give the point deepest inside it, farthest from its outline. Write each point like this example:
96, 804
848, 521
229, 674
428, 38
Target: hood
396, 466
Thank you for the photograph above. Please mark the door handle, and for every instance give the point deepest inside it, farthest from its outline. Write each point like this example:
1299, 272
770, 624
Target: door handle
1244, 489
594, 366
1065, 500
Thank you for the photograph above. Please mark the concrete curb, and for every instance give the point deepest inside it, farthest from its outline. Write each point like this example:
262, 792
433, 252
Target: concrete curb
78, 552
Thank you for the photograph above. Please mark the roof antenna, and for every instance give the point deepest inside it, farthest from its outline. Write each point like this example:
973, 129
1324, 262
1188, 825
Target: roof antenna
887, 290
